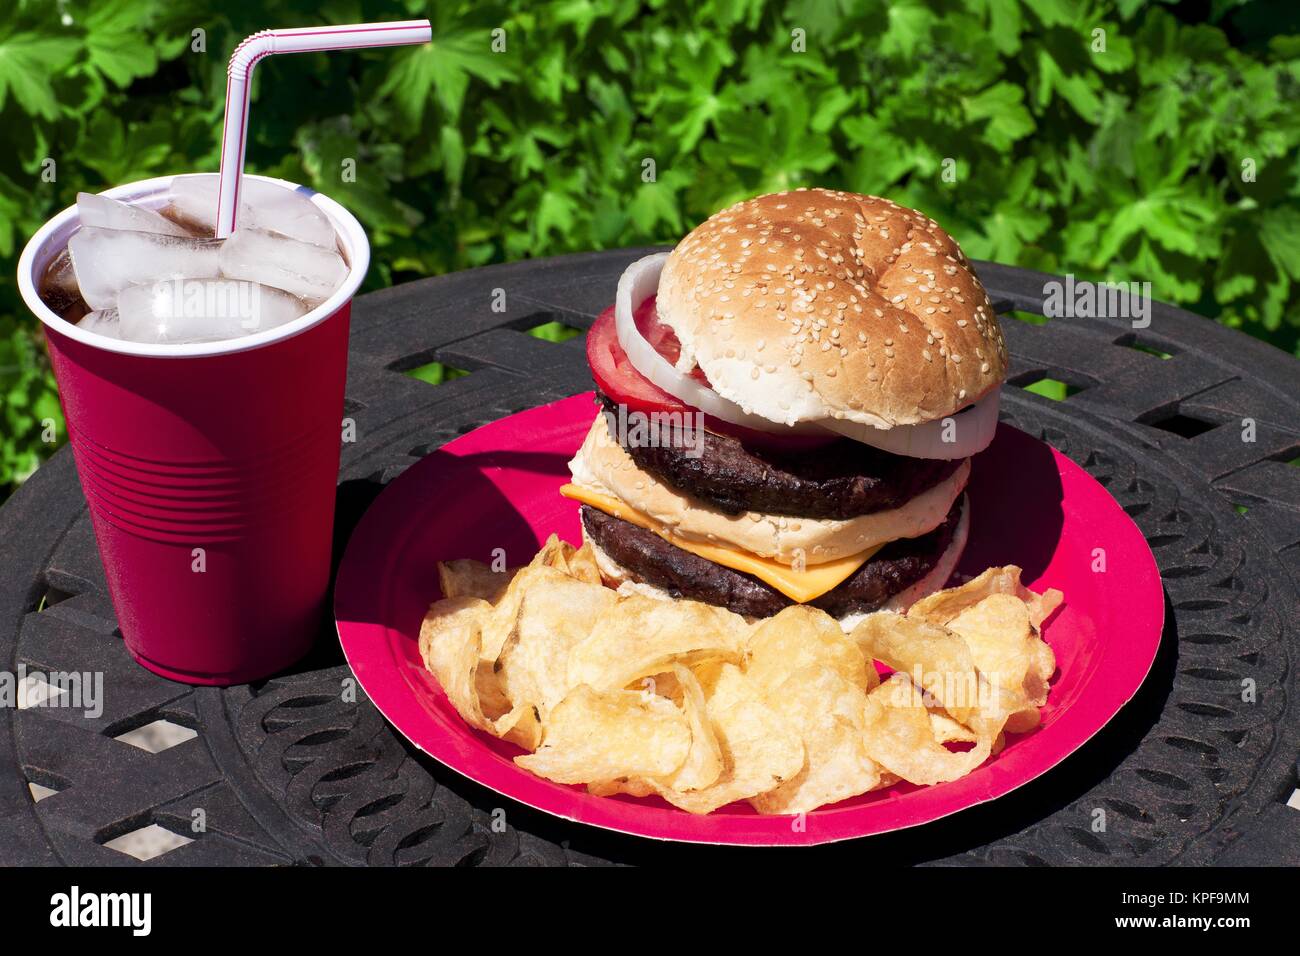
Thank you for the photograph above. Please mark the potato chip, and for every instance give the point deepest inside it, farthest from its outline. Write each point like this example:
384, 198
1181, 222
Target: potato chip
642, 635
450, 638
552, 563
1042, 605
935, 658
900, 738
632, 786
799, 637
450, 641
1040, 672
466, 577
942, 606
709, 673
665, 684
998, 633
553, 554
583, 566
826, 710
500, 624
634, 695
491, 695
703, 764
758, 752
1006, 646
595, 736
725, 685
553, 618
946, 730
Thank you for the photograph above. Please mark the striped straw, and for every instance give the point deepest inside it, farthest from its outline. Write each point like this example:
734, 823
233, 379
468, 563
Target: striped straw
239, 77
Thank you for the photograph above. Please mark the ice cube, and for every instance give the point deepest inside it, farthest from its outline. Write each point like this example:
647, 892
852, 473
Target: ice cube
59, 275
104, 322
105, 213
108, 260
301, 269
58, 288
202, 310
262, 206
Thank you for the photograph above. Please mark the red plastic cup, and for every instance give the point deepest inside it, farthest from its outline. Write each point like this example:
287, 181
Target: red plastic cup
209, 469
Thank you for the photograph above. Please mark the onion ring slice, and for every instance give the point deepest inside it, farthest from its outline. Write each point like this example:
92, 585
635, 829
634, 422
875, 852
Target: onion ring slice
971, 432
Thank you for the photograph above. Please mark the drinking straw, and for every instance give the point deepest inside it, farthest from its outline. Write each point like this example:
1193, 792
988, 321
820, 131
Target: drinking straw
234, 132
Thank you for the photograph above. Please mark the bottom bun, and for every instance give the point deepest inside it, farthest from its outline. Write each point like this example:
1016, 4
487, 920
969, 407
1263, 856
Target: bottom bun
619, 577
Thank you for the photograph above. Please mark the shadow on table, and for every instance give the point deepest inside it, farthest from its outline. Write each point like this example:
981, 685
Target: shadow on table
353, 498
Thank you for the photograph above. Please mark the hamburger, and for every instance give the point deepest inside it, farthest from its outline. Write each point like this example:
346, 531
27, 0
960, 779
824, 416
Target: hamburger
789, 403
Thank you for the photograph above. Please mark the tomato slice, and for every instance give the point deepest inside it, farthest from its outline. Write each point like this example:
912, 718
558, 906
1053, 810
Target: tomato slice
614, 373
621, 382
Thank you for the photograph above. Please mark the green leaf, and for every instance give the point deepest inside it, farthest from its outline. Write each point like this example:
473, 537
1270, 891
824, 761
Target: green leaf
909, 27
1279, 234
1004, 23
1003, 106
1055, 12
657, 203
27, 61
1117, 57
453, 154
1075, 88
555, 213
445, 68
119, 40
1007, 230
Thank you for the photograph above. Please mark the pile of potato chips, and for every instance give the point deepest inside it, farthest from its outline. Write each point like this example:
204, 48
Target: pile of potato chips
629, 693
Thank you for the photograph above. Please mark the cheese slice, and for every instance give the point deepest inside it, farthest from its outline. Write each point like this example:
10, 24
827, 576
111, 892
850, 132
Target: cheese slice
802, 586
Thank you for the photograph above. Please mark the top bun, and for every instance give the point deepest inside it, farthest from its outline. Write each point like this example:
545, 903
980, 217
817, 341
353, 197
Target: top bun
816, 304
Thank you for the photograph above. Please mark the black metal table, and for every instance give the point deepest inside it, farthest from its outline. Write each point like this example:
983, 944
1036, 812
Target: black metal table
292, 770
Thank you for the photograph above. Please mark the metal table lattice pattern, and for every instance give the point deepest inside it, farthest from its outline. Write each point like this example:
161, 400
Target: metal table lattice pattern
294, 771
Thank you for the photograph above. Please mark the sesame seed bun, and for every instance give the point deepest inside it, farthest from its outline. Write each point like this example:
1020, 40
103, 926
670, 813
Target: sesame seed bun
816, 304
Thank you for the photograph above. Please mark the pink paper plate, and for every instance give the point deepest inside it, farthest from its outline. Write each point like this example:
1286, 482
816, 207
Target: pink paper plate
496, 488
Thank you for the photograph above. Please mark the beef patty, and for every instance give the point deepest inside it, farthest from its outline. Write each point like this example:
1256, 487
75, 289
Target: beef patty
652, 560
844, 479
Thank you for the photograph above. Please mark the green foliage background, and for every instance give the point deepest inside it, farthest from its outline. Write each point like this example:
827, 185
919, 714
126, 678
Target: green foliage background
1125, 164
